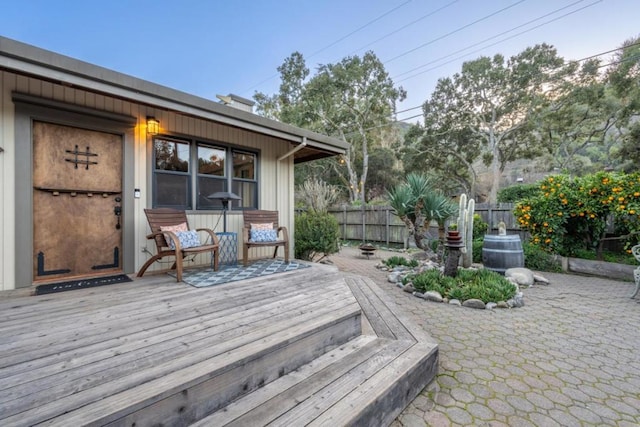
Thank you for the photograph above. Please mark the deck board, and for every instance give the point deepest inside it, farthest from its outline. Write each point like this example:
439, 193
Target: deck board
282, 350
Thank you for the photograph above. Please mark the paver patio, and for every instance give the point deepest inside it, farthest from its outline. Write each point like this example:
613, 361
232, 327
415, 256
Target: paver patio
570, 357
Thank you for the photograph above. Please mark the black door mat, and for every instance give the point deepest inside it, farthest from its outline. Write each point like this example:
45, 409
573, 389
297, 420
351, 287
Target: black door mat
70, 285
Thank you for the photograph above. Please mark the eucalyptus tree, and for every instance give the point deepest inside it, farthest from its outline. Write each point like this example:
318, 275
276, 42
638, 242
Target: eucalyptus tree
624, 79
353, 100
580, 126
484, 111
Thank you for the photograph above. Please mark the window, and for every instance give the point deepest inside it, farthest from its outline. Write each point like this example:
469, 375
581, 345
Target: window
244, 179
171, 180
178, 182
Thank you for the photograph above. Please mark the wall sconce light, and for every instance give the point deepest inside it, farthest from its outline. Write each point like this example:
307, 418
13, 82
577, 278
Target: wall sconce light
153, 126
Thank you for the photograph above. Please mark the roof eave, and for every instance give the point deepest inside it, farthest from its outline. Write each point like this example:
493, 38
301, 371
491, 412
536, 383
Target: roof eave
37, 62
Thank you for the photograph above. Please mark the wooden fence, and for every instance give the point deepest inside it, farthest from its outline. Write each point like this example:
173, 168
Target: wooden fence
379, 224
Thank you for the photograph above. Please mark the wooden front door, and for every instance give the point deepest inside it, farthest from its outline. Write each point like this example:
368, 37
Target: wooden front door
77, 185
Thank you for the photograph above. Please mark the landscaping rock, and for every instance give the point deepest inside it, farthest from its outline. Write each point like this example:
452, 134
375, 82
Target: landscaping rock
518, 300
491, 305
455, 302
511, 303
395, 277
520, 276
409, 288
540, 279
502, 304
433, 296
419, 295
474, 303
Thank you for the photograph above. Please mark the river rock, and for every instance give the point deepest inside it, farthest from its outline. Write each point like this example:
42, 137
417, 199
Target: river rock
395, 277
521, 276
518, 300
491, 305
540, 279
474, 303
433, 296
409, 288
502, 304
455, 302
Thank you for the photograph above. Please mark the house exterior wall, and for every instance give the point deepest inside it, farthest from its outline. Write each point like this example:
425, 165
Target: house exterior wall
275, 190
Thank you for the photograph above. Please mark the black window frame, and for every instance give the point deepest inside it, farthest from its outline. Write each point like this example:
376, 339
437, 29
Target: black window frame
194, 200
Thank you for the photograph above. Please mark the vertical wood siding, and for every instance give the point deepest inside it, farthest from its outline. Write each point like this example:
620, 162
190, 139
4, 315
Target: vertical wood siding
7, 191
275, 181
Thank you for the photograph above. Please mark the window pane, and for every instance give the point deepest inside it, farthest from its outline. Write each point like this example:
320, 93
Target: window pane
207, 186
211, 161
171, 155
244, 165
247, 192
171, 190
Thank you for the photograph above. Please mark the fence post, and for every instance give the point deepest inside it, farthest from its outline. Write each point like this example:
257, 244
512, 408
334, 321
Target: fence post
386, 225
344, 222
364, 226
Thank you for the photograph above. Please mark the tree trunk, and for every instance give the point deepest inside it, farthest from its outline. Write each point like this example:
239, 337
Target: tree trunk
494, 168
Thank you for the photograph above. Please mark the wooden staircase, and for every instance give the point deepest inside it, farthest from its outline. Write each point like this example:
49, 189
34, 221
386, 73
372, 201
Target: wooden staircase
291, 349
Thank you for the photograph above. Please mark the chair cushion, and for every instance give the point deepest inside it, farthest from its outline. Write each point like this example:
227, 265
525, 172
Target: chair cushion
260, 236
265, 226
188, 239
175, 228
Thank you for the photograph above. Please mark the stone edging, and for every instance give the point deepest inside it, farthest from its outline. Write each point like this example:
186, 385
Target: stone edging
397, 274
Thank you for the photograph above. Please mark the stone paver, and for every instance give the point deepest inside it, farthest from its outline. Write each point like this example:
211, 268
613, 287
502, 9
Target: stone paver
569, 357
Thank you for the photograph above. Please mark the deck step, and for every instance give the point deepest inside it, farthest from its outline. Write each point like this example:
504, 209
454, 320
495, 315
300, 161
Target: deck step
366, 382
312, 348
183, 371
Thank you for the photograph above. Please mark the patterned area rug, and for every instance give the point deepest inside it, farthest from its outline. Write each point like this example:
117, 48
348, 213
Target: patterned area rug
203, 277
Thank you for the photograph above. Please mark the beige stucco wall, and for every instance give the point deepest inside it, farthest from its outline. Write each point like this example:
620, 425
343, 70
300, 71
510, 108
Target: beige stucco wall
275, 178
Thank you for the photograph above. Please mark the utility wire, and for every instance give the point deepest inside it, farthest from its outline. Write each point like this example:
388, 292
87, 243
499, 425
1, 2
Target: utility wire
405, 26
487, 39
358, 29
335, 42
497, 42
454, 31
631, 58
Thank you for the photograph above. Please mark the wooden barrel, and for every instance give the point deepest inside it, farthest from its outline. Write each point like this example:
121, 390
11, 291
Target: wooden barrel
502, 252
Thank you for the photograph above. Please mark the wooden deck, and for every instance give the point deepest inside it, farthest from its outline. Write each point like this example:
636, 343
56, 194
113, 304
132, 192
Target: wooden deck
289, 349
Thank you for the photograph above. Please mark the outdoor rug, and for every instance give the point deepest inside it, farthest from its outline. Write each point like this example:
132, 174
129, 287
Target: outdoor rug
70, 285
203, 277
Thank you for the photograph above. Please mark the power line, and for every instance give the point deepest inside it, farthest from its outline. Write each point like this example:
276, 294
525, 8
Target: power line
497, 42
358, 29
454, 31
490, 38
409, 109
405, 26
577, 60
335, 42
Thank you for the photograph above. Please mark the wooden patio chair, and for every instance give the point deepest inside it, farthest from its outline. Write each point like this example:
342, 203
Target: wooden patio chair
264, 220
636, 273
170, 220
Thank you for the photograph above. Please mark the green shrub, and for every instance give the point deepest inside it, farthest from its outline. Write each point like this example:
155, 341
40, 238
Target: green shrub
477, 250
482, 284
315, 234
619, 258
536, 258
479, 227
517, 192
398, 260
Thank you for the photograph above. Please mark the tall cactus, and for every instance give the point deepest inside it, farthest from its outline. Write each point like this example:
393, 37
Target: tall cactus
465, 225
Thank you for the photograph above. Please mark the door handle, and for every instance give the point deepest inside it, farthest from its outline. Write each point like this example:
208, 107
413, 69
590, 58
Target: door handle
117, 210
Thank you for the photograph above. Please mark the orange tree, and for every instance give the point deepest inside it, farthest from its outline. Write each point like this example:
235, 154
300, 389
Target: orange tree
568, 214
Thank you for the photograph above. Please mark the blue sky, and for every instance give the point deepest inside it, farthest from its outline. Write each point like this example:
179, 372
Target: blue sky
234, 46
